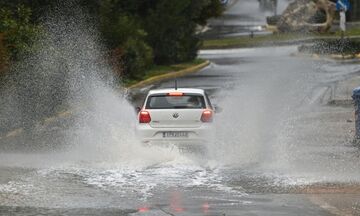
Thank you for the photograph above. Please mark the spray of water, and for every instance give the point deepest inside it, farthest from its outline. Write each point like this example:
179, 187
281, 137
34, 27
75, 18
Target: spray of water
69, 72
276, 119
255, 109
96, 141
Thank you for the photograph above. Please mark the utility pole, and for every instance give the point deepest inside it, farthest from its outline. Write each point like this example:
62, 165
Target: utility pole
342, 6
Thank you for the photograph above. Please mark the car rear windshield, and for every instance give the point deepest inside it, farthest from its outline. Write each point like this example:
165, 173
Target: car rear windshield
176, 102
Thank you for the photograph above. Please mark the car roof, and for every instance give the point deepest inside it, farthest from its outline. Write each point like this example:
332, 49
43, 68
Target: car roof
183, 90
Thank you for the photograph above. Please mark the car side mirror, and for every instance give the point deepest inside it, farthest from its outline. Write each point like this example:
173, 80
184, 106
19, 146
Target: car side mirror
217, 109
138, 109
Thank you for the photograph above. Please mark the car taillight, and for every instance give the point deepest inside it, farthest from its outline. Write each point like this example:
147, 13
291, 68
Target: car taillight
175, 94
144, 117
207, 116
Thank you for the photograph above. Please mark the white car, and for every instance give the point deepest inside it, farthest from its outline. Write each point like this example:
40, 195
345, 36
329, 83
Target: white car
183, 117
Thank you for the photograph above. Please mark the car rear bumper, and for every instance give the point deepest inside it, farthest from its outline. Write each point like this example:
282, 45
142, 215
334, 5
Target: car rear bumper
196, 136
183, 146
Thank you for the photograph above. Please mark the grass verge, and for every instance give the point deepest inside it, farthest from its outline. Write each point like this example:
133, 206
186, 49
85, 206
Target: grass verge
159, 70
245, 41
271, 39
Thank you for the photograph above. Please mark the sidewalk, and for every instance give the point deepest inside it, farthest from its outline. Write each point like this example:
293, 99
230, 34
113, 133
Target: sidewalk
340, 200
340, 204
342, 91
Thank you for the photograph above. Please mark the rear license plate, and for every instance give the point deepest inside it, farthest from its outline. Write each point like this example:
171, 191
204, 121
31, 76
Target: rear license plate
175, 134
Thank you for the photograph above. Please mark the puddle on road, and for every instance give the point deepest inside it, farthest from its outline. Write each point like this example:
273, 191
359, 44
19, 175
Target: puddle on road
75, 185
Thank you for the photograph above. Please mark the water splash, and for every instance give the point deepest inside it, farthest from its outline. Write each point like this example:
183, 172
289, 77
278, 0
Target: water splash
69, 72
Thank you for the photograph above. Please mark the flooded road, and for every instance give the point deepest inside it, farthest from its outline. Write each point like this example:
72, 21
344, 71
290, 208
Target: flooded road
276, 136
244, 17
278, 142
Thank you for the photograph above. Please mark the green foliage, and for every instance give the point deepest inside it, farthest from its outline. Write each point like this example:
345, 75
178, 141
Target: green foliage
208, 9
168, 27
19, 33
171, 32
3, 56
116, 32
140, 32
138, 57
123, 31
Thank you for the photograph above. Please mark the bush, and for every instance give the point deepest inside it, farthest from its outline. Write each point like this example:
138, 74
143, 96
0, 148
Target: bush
206, 9
3, 56
138, 32
273, 20
18, 31
171, 32
118, 30
127, 39
138, 57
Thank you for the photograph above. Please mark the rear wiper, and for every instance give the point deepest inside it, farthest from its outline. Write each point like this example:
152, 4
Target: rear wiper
180, 107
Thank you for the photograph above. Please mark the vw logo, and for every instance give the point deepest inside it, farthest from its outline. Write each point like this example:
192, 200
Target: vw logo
176, 115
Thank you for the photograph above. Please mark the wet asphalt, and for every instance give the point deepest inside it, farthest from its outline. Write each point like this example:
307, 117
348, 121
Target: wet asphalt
243, 18
276, 136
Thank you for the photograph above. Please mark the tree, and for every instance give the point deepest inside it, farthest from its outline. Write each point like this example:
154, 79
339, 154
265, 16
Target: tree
139, 32
3, 55
208, 9
124, 34
171, 32
18, 31
171, 28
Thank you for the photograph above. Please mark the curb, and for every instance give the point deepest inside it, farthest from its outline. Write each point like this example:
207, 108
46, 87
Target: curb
316, 56
344, 57
170, 75
341, 102
18, 131
272, 28
326, 206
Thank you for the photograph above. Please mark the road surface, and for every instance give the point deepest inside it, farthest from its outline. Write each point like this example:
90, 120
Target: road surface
242, 18
280, 148
278, 143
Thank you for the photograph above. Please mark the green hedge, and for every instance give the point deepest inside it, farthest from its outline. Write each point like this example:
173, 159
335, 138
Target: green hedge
19, 33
